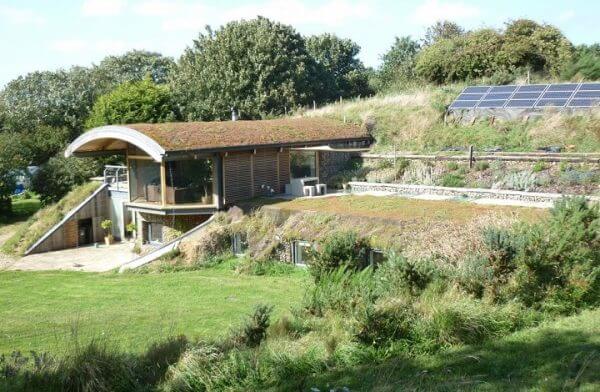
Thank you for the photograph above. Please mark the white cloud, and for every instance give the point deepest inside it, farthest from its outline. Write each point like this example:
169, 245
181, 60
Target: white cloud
189, 15
432, 11
68, 46
566, 16
21, 16
102, 7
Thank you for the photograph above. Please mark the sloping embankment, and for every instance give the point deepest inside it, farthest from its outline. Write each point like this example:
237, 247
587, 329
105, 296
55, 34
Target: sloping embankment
46, 219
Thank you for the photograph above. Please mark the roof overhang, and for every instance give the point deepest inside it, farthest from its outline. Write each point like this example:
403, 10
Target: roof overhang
113, 138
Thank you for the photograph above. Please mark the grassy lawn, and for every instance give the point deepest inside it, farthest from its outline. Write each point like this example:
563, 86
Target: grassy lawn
21, 210
404, 209
561, 355
43, 310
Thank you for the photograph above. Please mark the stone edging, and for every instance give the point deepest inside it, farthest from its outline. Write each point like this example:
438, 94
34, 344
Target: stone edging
471, 193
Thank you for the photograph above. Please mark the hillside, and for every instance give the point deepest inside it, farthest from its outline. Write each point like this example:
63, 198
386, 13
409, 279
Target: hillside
414, 121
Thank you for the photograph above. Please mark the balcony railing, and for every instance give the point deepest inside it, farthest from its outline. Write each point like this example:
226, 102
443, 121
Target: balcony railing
116, 176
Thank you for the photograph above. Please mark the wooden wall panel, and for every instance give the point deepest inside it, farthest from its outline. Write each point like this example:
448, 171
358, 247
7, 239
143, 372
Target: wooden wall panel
265, 172
237, 181
284, 169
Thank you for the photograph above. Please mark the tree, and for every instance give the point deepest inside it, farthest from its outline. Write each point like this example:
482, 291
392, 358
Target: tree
434, 63
442, 30
398, 63
57, 99
136, 65
258, 66
538, 48
59, 175
476, 55
39, 146
11, 162
341, 72
131, 102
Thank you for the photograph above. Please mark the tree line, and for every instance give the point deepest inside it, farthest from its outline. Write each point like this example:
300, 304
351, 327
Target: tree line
261, 69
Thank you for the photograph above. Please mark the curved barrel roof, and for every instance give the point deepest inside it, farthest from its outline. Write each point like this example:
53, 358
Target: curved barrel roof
161, 139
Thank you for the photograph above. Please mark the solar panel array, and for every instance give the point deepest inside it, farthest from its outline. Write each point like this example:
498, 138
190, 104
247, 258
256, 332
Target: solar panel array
529, 96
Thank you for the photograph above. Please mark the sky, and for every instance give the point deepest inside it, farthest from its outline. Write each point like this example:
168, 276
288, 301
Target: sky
52, 34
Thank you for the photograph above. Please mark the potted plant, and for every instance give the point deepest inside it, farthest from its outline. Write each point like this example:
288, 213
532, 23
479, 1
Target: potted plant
130, 228
107, 226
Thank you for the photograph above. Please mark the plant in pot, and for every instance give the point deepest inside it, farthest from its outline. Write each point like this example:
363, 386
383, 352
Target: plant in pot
107, 227
130, 228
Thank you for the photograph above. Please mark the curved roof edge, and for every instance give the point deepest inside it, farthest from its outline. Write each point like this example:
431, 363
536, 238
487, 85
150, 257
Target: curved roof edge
124, 133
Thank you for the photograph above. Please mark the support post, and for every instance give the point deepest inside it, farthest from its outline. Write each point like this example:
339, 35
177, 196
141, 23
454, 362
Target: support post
471, 158
163, 183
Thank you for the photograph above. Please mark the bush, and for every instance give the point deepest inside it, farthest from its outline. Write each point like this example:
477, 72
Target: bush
399, 274
452, 166
453, 180
340, 248
558, 261
382, 324
341, 291
254, 330
481, 165
538, 167
473, 275
519, 181
59, 175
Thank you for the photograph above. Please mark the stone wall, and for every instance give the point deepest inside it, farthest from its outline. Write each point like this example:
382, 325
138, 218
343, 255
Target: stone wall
331, 163
173, 226
472, 193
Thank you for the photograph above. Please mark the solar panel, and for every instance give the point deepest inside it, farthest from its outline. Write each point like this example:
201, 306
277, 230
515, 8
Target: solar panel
589, 86
557, 94
551, 102
529, 96
496, 103
584, 103
463, 104
562, 87
520, 95
476, 89
587, 94
520, 103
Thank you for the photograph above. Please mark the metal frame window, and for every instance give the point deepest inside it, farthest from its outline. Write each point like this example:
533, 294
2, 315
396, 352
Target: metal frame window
239, 244
376, 257
301, 253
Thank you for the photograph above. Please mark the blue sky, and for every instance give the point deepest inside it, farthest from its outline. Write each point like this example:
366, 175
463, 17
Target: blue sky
46, 34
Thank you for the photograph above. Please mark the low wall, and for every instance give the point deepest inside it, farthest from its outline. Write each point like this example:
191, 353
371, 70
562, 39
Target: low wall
472, 193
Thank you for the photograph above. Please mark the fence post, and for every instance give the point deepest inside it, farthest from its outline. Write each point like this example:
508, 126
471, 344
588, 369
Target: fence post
471, 158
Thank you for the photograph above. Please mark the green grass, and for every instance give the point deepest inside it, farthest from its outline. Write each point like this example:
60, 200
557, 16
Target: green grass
21, 210
561, 355
413, 120
42, 310
38, 224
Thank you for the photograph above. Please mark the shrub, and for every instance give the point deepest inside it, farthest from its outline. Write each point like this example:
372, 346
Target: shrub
453, 180
340, 290
254, 330
538, 167
481, 165
399, 274
452, 166
558, 261
473, 275
384, 323
340, 248
519, 181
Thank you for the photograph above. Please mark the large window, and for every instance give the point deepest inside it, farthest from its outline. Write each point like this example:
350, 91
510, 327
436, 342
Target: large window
303, 164
190, 181
144, 176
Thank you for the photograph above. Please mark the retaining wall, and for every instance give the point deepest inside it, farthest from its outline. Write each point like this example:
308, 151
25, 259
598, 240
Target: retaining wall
471, 193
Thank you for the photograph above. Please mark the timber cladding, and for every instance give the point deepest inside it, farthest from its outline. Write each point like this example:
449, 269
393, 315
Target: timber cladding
257, 173
67, 235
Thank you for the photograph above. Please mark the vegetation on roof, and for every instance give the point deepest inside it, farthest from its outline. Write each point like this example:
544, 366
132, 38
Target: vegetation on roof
222, 134
43, 220
414, 121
